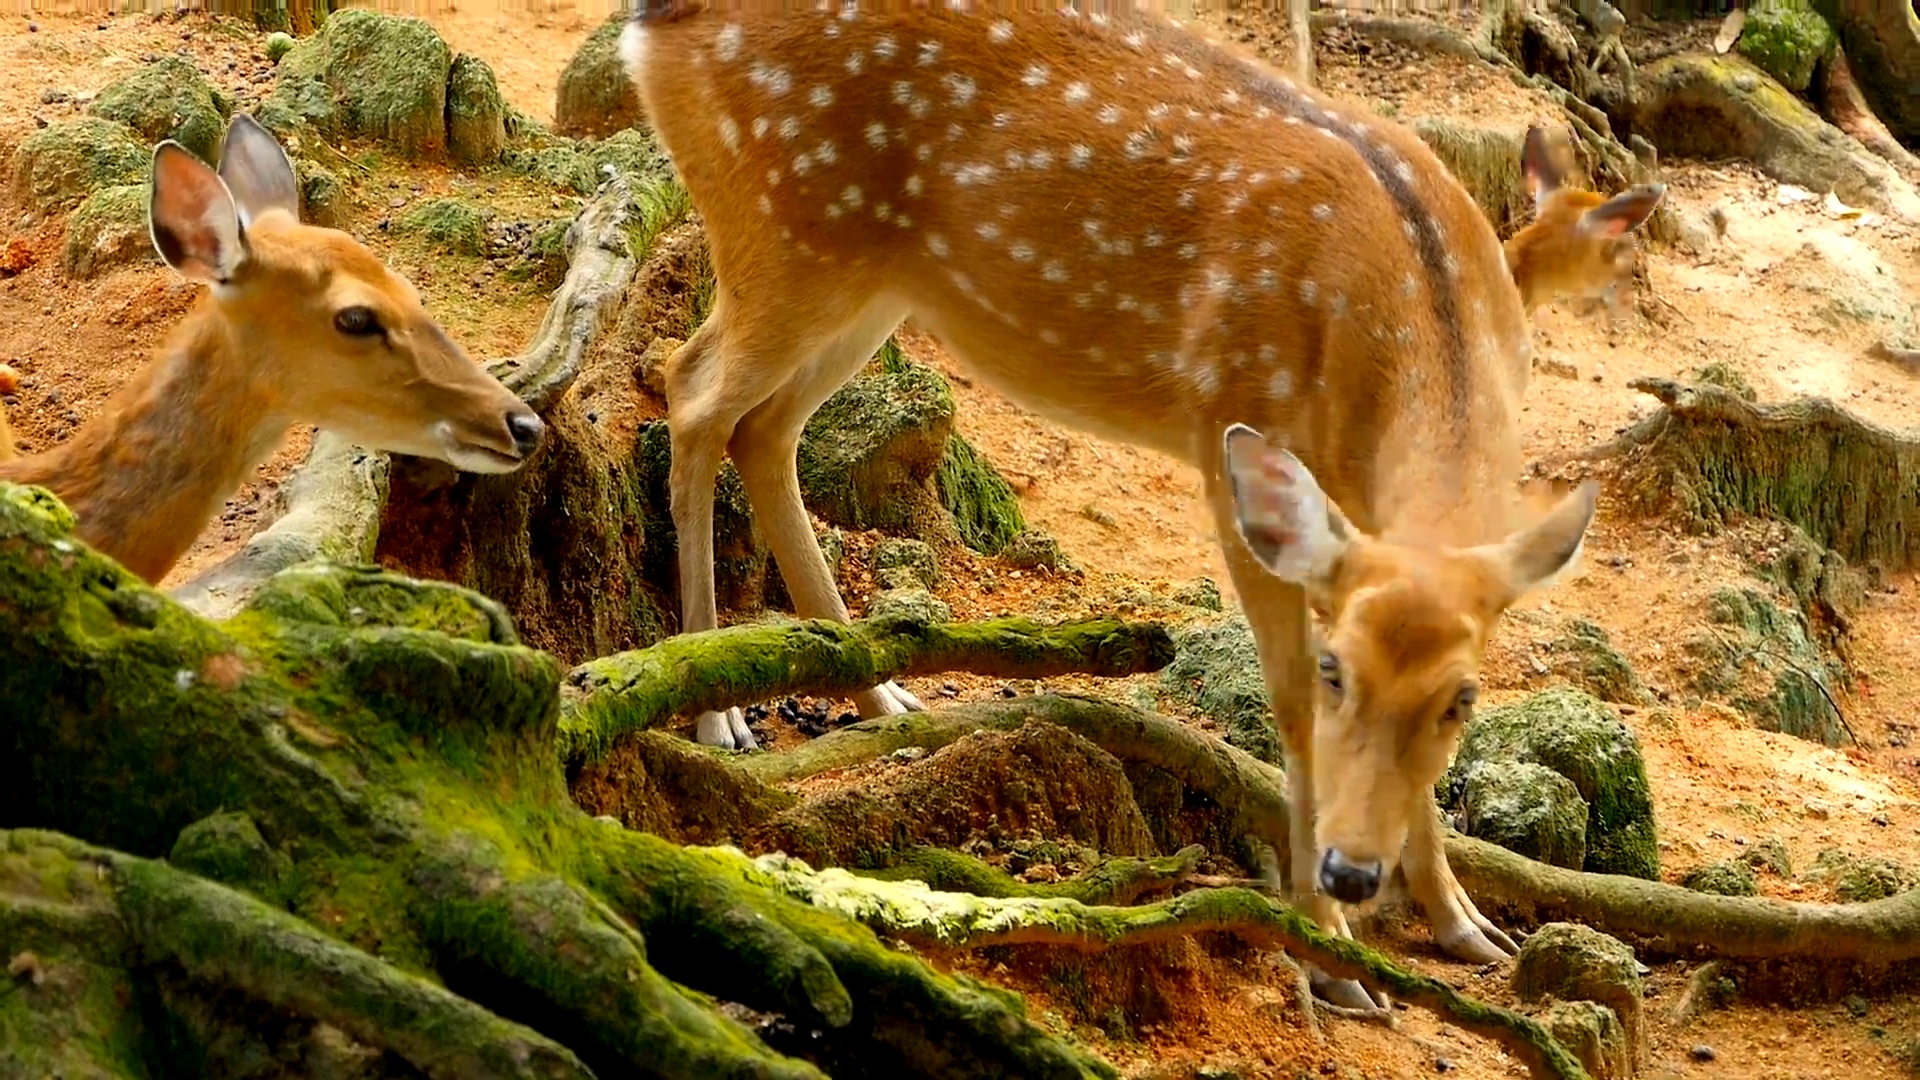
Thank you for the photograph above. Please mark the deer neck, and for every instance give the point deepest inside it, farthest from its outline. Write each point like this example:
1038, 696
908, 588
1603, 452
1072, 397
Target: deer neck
146, 474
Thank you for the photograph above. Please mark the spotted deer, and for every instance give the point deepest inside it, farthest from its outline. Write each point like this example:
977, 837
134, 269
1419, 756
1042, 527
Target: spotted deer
1579, 245
299, 325
1144, 236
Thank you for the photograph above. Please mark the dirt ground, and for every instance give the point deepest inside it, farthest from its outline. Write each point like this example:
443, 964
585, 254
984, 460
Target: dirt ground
1134, 524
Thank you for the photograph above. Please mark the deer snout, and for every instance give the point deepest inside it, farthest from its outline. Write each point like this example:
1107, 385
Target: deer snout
526, 427
1349, 883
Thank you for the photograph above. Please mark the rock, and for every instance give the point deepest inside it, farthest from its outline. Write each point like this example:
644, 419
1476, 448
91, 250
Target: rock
1577, 736
900, 563
1769, 855
1702, 1052
1585, 655
543, 257
323, 198
450, 224
1726, 377
1726, 878
108, 231
476, 113
1216, 672
168, 99
1591, 1032
984, 507
1201, 592
1526, 808
1827, 590
584, 165
1034, 549
868, 455
916, 604
1861, 879
833, 547
369, 74
279, 44
228, 848
58, 166
1787, 40
1570, 962
596, 97
1759, 655
1850, 282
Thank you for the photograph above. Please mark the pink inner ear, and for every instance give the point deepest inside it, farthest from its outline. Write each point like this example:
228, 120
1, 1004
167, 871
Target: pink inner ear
188, 202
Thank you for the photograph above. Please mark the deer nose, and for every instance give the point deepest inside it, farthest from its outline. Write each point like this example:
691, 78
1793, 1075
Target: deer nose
526, 429
1347, 882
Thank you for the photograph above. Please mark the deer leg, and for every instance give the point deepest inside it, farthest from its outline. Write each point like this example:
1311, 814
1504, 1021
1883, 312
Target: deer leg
1458, 926
1277, 614
764, 447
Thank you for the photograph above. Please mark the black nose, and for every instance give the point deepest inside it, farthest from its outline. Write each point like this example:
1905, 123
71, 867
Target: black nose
526, 429
1346, 882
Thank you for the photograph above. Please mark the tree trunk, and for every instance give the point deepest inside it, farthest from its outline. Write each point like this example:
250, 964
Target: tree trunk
1882, 39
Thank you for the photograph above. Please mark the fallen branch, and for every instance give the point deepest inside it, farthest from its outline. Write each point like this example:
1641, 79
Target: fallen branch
926, 918
686, 674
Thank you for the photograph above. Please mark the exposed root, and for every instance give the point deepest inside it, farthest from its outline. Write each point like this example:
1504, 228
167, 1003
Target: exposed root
921, 916
1700, 995
1850, 113
1898, 355
1116, 881
693, 673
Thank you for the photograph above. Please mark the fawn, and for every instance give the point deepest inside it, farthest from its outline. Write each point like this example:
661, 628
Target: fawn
1142, 235
299, 325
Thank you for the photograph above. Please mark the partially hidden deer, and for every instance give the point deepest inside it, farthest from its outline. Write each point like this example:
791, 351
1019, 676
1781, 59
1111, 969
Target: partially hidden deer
1147, 237
1578, 245
299, 325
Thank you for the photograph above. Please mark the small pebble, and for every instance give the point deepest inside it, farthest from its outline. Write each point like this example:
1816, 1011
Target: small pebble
1442, 1065
1703, 1052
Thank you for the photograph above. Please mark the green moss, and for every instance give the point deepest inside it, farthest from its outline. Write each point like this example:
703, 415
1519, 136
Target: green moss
1526, 808
227, 847
1727, 377
384, 77
1573, 962
915, 605
108, 231
1592, 1033
741, 560
1770, 855
476, 113
1033, 549
451, 224
1577, 736
1787, 39
168, 99
544, 259
1725, 878
1861, 879
279, 44
983, 504
61, 164
1216, 671
1761, 656
901, 563
596, 96
868, 455
323, 197
583, 165
1585, 654
1202, 592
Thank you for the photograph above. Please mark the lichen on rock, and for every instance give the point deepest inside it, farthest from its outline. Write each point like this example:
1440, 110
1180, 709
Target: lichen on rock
1787, 39
596, 97
1762, 658
1216, 671
383, 76
1526, 808
169, 99
1570, 962
108, 231
58, 166
868, 455
476, 113
1728, 877
451, 224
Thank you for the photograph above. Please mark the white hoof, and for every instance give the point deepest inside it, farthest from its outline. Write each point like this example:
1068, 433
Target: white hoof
887, 699
727, 730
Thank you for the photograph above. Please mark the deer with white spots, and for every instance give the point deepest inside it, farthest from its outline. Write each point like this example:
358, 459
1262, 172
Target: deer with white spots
1144, 236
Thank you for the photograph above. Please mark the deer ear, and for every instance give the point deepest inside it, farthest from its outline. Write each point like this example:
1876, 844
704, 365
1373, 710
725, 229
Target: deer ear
1624, 212
1539, 167
1286, 520
192, 218
1536, 557
256, 170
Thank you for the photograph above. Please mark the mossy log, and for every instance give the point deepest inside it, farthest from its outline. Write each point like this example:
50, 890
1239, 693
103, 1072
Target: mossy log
1723, 106
1708, 454
393, 745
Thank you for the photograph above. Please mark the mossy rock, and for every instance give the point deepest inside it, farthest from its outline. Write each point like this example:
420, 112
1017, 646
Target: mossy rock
1725, 878
1034, 550
1592, 1033
1202, 592
1787, 39
1579, 737
1760, 655
833, 548
58, 166
1861, 879
984, 506
596, 97
583, 165
1570, 962
1216, 671
1827, 589
108, 231
169, 99
1585, 655
901, 563
476, 113
1770, 855
1526, 808
741, 561
918, 605
1726, 377
387, 77
868, 455
228, 848
450, 224
324, 198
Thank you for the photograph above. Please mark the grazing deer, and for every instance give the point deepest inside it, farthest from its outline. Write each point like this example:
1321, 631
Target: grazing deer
1578, 244
300, 325
1141, 235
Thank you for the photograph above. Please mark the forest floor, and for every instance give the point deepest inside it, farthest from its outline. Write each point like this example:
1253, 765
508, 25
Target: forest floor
1133, 524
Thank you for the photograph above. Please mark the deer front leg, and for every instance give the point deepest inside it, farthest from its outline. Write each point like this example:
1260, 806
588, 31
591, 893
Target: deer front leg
1458, 926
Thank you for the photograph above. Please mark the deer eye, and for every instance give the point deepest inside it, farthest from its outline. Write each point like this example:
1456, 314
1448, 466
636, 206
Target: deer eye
357, 321
1462, 708
1330, 671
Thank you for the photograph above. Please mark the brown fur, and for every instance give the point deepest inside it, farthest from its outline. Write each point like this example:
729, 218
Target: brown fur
1200, 262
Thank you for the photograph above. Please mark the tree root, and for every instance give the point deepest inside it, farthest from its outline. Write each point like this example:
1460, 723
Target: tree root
1850, 113
1116, 881
330, 508
691, 673
919, 916
1710, 454
1701, 994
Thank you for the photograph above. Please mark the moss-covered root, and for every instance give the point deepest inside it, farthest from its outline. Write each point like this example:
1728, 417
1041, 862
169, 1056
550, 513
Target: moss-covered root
916, 914
714, 919
1709, 454
691, 673
1120, 880
225, 938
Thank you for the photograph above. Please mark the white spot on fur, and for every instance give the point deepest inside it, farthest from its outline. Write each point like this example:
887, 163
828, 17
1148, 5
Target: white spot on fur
1021, 251
789, 129
1035, 75
1268, 354
1001, 32
914, 185
1322, 212
1266, 280
730, 133
820, 96
851, 196
1153, 239
765, 204
1040, 159
877, 135
761, 125
1189, 251
937, 244
929, 53
1050, 337
1292, 174
856, 61
1109, 114
776, 81
1054, 271
974, 174
885, 48
726, 44
826, 152
773, 177
1409, 286
987, 230
802, 164
960, 89
1308, 291
1078, 155
1281, 385
1076, 93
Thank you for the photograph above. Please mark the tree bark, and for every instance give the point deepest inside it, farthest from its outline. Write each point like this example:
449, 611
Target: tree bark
1883, 39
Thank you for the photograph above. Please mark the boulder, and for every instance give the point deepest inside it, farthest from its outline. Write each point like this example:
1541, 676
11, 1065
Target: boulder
1216, 672
867, 457
58, 166
1526, 808
108, 231
476, 113
1725, 878
900, 563
368, 74
1787, 39
1569, 962
168, 99
596, 97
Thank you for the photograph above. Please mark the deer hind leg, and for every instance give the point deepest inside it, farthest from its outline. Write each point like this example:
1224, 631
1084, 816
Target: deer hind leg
1276, 612
1458, 926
